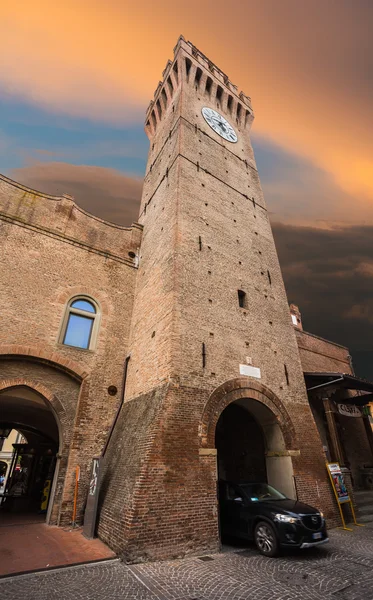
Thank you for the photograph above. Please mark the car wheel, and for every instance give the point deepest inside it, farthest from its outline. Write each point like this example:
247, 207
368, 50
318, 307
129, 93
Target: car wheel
266, 539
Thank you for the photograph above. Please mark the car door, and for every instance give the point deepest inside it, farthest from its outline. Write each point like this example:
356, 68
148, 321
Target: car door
252, 510
235, 509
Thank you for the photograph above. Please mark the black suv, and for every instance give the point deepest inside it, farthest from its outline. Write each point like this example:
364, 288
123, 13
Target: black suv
258, 512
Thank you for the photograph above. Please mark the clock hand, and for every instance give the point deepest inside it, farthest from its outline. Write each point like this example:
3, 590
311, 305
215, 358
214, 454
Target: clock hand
219, 123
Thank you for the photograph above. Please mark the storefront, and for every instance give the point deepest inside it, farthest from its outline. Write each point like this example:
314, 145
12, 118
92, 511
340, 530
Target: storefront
30, 477
340, 406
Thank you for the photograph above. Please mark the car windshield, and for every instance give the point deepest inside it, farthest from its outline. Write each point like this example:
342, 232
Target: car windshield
261, 491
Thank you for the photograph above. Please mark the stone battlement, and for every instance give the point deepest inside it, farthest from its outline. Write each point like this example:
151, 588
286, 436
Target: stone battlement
61, 216
207, 78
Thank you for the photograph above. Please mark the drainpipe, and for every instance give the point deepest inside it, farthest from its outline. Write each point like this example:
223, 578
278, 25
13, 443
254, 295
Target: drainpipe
119, 407
90, 513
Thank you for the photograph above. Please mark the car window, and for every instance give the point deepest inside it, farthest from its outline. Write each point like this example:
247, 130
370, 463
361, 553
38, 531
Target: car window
233, 492
261, 491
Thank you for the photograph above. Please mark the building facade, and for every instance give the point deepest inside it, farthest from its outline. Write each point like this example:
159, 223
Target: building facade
173, 334
7, 454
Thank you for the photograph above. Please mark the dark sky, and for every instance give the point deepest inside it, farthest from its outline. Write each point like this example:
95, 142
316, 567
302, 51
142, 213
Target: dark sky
72, 105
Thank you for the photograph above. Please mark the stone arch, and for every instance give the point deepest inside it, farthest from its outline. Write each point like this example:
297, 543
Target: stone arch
41, 353
61, 420
63, 376
66, 295
56, 406
237, 389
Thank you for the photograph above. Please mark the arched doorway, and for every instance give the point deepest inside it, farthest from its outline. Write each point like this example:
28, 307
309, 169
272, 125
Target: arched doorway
251, 446
250, 450
29, 485
246, 433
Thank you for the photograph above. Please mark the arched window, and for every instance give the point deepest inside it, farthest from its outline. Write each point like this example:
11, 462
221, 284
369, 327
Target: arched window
80, 323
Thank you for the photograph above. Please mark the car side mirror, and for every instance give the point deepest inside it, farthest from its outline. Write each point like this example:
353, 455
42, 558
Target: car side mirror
238, 500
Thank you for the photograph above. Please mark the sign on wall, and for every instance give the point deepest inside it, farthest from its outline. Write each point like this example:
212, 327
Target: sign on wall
250, 371
338, 483
349, 410
92, 500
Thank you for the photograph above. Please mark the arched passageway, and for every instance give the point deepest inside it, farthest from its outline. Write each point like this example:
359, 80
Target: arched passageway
29, 485
251, 446
270, 424
253, 436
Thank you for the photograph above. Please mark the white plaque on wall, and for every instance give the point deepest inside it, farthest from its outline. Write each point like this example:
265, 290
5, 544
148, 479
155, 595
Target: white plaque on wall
250, 371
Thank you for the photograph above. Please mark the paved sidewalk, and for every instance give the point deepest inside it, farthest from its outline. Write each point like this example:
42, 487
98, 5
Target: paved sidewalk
341, 570
28, 546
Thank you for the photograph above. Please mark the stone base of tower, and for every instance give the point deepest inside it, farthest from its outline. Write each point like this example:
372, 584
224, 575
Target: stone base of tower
158, 495
159, 489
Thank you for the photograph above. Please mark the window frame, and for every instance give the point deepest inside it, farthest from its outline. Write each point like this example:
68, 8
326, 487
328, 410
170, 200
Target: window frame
96, 318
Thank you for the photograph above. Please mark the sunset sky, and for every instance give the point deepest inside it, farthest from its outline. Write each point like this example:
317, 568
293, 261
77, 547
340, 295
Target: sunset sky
76, 78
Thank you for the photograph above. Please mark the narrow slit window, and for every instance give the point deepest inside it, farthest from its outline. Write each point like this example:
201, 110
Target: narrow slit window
154, 120
286, 374
239, 111
241, 298
247, 117
208, 85
188, 66
170, 86
176, 71
230, 103
164, 97
159, 109
198, 76
219, 93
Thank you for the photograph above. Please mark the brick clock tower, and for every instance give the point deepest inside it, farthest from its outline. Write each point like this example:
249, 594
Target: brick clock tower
212, 345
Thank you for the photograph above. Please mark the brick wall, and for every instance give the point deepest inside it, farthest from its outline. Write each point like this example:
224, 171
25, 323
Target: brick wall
319, 355
52, 251
206, 235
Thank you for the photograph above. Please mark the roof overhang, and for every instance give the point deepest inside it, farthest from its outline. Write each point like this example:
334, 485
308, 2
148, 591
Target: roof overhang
317, 383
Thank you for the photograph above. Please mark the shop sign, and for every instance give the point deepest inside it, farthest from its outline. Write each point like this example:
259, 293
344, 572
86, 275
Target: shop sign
338, 483
349, 410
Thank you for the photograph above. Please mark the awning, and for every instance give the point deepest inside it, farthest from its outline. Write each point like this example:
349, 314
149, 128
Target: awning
317, 382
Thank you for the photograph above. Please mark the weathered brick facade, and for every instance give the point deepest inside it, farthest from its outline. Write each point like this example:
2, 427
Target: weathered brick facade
51, 251
206, 236
319, 355
167, 292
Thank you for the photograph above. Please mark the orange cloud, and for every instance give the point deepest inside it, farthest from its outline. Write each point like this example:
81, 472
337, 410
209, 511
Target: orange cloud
305, 66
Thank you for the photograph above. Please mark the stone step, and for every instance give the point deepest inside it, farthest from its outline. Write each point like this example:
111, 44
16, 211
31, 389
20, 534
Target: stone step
364, 509
368, 518
363, 497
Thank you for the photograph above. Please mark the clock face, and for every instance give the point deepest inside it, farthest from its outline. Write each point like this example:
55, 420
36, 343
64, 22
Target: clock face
219, 124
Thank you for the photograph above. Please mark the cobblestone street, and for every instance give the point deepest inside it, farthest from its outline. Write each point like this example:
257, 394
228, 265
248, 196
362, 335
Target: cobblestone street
341, 570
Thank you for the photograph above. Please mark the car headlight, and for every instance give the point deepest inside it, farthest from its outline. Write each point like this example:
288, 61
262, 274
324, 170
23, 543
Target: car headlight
285, 518
321, 514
